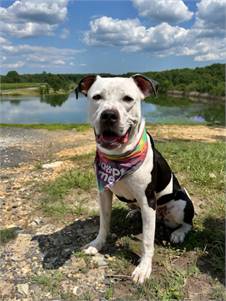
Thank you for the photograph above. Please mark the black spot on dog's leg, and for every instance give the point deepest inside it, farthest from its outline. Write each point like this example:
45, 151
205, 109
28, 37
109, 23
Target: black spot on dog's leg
149, 192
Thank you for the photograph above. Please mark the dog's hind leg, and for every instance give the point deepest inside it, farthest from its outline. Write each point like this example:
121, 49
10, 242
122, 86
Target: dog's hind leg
180, 212
178, 235
105, 202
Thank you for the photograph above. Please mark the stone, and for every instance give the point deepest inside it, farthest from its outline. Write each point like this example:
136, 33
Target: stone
23, 289
52, 165
76, 291
99, 260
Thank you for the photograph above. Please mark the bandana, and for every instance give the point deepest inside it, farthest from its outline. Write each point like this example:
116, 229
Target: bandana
112, 168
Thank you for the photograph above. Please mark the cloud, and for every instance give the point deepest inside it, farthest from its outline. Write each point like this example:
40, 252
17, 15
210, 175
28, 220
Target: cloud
17, 56
170, 11
25, 18
212, 13
130, 35
210, 18
204, 41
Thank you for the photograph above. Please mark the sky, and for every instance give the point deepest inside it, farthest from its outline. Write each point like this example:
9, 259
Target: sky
119, 36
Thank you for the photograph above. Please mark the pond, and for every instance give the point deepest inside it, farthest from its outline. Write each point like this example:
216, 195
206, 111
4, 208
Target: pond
66, 109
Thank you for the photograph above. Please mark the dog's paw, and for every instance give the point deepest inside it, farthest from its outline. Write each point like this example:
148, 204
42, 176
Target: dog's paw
142, 272
93, 247
177, 236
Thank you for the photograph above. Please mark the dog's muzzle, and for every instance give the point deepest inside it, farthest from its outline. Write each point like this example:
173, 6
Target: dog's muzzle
109, 136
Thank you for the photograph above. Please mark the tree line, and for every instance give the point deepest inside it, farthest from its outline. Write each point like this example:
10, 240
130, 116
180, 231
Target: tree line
209, 79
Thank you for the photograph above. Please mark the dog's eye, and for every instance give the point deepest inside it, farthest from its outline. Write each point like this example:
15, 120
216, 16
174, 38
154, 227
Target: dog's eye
127, 98
97, 97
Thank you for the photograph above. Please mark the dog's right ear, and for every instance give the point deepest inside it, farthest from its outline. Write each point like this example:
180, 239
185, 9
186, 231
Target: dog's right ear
84, 85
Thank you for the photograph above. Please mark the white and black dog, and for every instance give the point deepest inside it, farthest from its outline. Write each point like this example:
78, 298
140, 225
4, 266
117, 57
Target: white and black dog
128, 165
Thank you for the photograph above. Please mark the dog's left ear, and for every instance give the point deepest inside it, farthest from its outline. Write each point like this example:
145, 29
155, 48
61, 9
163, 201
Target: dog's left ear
147, 85
84, 85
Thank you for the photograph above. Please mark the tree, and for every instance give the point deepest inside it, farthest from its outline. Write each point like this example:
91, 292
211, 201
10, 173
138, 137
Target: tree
13, 77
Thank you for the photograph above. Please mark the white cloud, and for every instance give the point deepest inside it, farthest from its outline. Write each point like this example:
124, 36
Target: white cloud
210, 18
132, 36
212, 12
170, 11
24, 55
25, 18
202, 41
16, 65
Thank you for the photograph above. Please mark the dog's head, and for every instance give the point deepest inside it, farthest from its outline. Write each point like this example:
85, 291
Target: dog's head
115, 106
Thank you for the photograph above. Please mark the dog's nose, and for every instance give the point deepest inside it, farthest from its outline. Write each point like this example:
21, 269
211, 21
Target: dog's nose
111, 116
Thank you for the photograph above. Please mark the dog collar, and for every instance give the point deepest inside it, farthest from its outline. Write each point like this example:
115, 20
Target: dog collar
112, 168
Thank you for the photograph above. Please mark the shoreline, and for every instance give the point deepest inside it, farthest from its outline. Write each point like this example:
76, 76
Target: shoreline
194, 96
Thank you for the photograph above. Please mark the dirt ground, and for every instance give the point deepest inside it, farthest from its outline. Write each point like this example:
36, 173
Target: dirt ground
32, 157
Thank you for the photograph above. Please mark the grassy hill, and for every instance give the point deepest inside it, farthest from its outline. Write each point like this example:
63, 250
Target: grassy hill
209, 79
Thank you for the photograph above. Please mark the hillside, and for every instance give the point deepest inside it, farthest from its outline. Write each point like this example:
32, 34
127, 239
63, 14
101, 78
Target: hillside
209, 79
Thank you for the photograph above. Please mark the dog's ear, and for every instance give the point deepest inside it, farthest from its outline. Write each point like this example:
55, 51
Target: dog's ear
85, 84
147, 85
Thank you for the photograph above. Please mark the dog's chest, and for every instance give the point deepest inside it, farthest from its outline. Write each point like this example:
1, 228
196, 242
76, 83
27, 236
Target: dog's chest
121, 189
132, 187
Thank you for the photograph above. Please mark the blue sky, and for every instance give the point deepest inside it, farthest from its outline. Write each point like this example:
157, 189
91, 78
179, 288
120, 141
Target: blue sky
80, 36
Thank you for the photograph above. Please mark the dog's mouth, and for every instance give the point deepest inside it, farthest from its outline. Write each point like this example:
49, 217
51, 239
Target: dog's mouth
110, 139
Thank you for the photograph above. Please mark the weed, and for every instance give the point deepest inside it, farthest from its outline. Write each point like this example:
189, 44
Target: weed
50, 282
8, 234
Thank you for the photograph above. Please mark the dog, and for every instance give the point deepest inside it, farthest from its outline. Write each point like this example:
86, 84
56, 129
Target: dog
128, 165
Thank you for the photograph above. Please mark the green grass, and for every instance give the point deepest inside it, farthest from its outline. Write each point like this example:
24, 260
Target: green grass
49, 282
202, 164
7, 234
54, 193
9, 86
51, 126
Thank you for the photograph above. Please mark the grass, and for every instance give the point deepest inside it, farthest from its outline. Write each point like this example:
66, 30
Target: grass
202, 163
8, 86
7, 234
49, 281
50, 126
54, 193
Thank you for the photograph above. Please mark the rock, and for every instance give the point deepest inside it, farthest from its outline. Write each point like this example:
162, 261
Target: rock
99, 260
76, 291
23, 289
37, 221
52, 165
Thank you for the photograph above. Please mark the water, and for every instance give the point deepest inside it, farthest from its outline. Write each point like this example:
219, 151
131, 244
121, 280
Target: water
66, 109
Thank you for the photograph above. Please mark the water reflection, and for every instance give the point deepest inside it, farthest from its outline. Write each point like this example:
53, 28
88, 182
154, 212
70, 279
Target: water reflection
66, 109
54, 100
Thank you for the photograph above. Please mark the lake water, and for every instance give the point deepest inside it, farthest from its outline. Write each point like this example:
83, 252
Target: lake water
66, 109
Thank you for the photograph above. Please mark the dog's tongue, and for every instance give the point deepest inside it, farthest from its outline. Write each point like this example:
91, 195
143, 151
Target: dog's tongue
113, 139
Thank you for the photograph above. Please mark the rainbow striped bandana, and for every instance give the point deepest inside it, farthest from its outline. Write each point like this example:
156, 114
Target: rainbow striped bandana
112, 168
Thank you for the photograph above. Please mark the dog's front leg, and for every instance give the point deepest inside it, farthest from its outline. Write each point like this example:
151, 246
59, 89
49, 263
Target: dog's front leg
105, 203
143, 270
